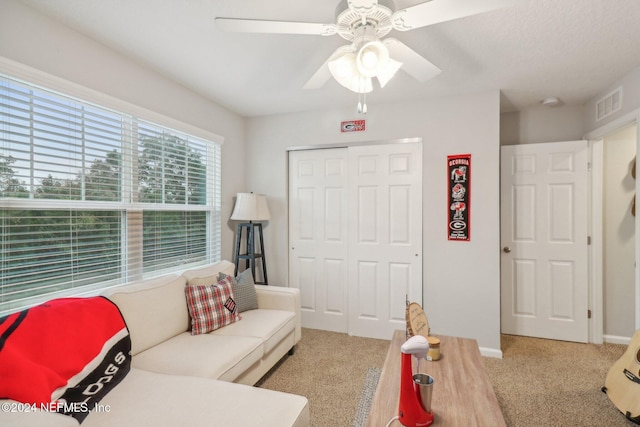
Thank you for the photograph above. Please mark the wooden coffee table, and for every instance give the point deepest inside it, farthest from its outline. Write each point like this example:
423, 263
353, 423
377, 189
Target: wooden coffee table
462, 393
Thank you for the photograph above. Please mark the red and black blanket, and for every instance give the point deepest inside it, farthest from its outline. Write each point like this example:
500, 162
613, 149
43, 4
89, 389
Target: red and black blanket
64, 355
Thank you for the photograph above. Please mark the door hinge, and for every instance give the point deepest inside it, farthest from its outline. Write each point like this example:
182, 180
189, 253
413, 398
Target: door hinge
589, 166
588, 314
588, 240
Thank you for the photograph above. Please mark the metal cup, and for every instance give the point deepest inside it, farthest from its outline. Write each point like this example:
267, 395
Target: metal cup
424, 384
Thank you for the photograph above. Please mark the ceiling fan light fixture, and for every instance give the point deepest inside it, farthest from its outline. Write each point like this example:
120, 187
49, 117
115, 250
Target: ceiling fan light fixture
356, 71
360, 84
343, 68
371, 57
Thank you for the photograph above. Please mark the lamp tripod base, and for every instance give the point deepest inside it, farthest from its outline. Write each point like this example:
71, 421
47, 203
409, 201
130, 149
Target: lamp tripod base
252, 253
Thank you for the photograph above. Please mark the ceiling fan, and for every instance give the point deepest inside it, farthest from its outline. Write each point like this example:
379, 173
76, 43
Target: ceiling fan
364, 23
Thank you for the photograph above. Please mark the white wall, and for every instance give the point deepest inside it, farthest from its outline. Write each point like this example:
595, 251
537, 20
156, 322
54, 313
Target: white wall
630, 84
461, 279
542, 124
32, 39
566, 122
619, 233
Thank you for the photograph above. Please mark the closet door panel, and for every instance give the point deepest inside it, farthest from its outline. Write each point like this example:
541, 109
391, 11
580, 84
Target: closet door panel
318, 236
385, 194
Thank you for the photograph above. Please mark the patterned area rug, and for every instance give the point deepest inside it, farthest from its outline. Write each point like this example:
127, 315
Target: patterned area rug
366, 397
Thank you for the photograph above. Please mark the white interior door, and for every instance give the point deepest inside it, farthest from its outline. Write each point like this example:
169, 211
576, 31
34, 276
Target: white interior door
385, 236
355, 236
544, 268
318, 236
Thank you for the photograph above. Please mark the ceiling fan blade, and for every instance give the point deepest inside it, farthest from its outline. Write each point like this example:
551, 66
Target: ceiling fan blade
274, 27
436, 11
319, 78
414, 64
323, 74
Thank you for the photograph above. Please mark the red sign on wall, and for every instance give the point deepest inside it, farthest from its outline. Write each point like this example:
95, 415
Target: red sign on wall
459, 188
353, 126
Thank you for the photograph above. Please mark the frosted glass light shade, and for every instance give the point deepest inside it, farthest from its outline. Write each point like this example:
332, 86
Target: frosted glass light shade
343, 68
251, 207
355, 71
371, 57
345, 71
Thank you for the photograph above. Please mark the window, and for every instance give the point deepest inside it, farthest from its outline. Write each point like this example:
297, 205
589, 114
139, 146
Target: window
91, 197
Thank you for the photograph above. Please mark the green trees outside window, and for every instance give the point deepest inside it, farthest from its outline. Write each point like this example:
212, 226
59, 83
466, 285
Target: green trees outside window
91, 198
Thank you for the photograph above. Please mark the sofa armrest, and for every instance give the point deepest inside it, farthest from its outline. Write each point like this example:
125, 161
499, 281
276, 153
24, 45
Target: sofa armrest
280, 298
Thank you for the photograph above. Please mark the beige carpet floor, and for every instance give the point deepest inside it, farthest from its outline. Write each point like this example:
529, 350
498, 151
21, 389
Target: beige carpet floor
538, 382
329, 369
542, 382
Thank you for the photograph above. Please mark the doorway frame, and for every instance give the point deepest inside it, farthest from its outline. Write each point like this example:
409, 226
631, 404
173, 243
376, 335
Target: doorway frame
596, 284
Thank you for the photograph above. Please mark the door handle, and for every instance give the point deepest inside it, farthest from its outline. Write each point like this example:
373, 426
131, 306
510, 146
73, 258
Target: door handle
506, 249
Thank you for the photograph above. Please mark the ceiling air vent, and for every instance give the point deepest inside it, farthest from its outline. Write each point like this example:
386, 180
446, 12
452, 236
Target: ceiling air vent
609, 104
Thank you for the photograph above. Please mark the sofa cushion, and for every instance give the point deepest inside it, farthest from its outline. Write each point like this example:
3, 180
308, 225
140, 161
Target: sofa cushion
271, 326
207, 355
244, 290
147, 399
155, 310
211, 307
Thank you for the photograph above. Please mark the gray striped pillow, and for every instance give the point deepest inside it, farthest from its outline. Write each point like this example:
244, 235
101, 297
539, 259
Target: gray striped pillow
244, 290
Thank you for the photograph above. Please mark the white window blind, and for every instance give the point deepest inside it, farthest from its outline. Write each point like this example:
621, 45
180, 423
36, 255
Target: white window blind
91, 197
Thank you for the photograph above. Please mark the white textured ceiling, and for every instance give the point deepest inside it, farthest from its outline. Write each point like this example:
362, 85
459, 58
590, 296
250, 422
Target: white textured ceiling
572, 49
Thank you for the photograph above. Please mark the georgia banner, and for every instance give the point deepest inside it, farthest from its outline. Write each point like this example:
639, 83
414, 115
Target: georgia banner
459, 188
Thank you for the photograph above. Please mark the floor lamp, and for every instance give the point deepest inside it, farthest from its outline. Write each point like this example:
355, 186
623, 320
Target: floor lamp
251, 207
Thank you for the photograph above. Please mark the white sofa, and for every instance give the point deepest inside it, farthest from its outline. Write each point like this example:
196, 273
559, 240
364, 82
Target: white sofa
203, 380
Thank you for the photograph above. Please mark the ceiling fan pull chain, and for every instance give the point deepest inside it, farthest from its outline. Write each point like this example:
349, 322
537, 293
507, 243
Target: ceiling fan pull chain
362, 103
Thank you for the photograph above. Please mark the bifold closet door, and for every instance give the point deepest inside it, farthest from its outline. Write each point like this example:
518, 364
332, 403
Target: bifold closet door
318, 236
355, 236
385, 236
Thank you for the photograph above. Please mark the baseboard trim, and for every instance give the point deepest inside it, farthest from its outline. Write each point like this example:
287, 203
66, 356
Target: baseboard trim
614, 339
491, 352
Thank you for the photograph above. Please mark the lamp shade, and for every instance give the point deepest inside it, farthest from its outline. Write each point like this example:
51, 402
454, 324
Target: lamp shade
251, 207
371, 57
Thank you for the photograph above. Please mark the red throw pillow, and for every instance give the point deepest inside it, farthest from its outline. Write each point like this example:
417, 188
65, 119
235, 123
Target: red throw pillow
211, 307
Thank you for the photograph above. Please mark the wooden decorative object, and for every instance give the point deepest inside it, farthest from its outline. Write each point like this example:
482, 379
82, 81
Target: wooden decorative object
417, 323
